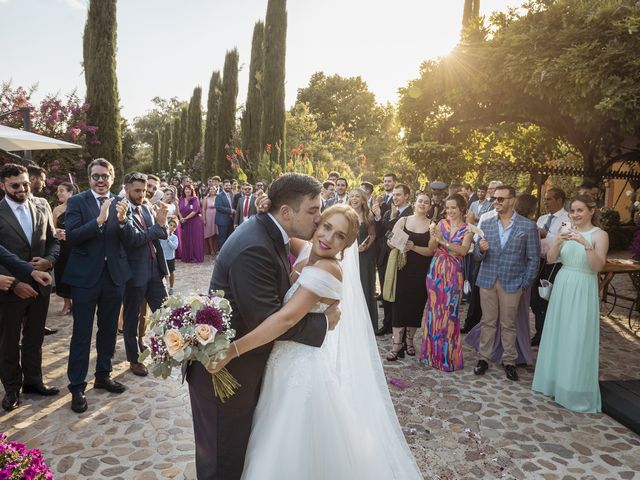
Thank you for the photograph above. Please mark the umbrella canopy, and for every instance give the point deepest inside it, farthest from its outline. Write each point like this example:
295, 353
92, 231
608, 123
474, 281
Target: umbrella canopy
12, 139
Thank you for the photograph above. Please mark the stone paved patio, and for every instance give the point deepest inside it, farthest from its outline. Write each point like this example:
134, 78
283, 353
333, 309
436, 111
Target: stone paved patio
458, 426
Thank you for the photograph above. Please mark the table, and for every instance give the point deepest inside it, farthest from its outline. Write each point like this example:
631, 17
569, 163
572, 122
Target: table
613, 267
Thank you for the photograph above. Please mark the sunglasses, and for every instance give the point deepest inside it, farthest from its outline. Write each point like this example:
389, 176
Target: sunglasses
17, 185
501, 199
96, 177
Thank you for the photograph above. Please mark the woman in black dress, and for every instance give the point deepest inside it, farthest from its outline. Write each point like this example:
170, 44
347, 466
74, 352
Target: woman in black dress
358, 199
65, 191
411, 294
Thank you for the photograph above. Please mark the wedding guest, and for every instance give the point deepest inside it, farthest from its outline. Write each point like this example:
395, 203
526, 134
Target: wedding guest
450, 239
436, 211
548, 227
170, 198
358, 200
509, 253
526, 206
26, 230
224, 213
153, 183
146, 263
410, 291
368, 189
97, 270
65, 192
209, 221
379, 210
192, 229
333, 176
169, 247
327, 194
482, 203
245, 206
568, 359
21, 269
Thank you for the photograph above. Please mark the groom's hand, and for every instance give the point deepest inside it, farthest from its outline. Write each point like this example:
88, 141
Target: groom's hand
333, 314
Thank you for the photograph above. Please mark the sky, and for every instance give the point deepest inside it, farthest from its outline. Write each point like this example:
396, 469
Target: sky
167, 47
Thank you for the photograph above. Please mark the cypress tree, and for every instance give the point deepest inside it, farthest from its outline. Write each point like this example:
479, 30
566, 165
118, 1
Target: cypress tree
175, 140
211, 124
471, 10
182, 141
227, 115
275, 39
194, 125
99, 54
155, 159
252, 118
166, 147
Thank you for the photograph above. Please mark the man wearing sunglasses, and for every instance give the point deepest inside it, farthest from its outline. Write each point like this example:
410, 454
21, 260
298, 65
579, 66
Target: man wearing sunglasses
26, 230
97, 271
509, 252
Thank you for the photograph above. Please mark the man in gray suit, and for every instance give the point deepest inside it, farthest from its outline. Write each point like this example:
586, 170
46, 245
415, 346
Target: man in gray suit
26, 229
509, 252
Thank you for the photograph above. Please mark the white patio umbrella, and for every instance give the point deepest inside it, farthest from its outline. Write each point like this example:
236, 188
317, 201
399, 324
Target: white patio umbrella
12, 139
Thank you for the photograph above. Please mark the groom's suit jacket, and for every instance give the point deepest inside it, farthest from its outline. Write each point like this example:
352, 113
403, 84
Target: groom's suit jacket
252, 270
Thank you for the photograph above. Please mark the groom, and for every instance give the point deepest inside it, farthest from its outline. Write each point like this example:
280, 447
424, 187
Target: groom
253, 271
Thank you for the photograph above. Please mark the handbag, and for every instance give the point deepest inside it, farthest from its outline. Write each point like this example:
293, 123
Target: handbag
544, 290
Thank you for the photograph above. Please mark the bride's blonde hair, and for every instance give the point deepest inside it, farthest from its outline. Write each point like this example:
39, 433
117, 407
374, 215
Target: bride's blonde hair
352, 219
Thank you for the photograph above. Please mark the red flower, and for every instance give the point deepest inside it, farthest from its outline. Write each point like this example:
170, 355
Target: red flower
228, 158
294, 151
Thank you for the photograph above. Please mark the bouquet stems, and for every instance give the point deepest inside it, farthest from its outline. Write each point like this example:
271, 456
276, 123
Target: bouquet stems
224, 385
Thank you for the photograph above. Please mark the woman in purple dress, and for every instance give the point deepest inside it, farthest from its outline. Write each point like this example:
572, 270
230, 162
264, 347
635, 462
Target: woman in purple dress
192, 228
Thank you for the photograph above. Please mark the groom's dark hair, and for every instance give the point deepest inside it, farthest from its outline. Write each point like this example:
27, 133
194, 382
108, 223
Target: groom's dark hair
291, 189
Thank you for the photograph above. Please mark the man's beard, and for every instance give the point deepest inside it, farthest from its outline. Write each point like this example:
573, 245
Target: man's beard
16, 199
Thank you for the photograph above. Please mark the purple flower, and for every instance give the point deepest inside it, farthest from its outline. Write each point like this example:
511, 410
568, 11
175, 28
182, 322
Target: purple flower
210, 316
176, 319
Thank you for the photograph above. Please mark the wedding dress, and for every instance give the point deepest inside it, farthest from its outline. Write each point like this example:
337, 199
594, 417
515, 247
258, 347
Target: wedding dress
326, 413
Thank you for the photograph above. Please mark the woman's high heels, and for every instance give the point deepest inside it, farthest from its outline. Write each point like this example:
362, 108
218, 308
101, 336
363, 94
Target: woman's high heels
394, 354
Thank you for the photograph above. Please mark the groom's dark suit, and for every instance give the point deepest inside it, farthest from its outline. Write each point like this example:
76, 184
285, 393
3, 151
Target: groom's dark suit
253, 271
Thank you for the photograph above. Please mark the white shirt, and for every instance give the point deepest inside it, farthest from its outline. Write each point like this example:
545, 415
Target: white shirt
559, 217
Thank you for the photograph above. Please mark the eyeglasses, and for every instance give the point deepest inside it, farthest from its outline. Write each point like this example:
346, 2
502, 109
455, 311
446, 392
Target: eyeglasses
15, 186
96, 177
501, 199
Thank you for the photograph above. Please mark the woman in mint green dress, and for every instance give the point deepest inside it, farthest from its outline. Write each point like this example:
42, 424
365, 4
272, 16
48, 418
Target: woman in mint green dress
568, 358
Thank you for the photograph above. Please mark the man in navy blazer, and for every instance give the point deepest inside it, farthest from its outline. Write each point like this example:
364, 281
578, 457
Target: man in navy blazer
509, 253
22, 270
146, 262
224, 213
97, 271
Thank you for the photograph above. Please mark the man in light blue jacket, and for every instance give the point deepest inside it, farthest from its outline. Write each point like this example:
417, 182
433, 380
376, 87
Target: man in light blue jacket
509, 252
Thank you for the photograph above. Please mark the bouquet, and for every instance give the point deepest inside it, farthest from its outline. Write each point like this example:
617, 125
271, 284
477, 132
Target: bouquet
17, 462
192, 328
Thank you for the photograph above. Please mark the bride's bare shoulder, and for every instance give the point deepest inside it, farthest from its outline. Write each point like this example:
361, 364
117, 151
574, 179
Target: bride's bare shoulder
330, 265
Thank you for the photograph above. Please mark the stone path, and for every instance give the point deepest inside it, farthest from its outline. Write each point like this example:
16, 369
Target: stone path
458, 425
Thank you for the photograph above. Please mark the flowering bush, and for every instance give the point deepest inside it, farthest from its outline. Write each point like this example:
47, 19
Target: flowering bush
19, 463
64, 119
192, 328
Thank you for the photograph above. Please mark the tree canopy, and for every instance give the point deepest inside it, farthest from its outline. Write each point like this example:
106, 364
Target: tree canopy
567, 67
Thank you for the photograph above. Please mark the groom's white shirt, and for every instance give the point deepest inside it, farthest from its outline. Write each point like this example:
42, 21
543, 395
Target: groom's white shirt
285, 239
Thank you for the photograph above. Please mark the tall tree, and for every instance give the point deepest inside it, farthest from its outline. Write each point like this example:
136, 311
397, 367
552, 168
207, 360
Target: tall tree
175, 141
471, 10
211, 124
252, 118
155, 159
227, 115
273, 118
194, 126
99, 54
166, 147
182, 141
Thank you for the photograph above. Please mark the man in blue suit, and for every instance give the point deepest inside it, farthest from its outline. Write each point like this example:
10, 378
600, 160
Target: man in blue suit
224, 213
97, 271
509, 253
146, 262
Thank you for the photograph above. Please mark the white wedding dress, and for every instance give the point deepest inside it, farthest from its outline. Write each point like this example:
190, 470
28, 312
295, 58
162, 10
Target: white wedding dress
326, 413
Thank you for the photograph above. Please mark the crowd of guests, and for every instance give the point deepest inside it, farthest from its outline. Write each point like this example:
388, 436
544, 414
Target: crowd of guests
115, 256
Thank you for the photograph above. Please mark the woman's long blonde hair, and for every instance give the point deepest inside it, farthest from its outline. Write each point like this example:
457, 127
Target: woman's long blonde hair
366, 211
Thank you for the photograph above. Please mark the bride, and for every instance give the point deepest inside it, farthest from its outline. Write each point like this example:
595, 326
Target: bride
324, 413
